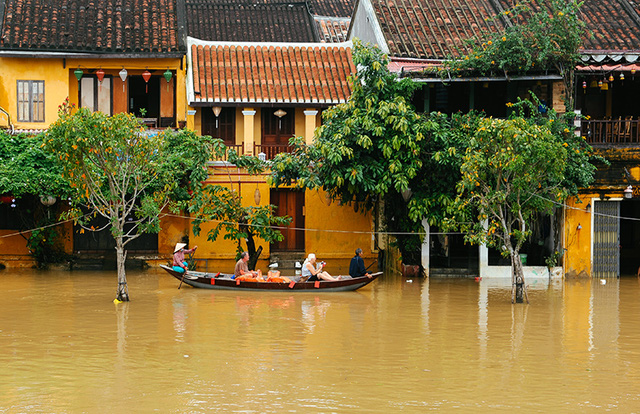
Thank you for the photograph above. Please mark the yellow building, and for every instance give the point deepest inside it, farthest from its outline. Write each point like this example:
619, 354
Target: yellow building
107, 59
254, 96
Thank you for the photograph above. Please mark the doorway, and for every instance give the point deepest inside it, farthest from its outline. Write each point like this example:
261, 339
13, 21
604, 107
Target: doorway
290, 203
143, 96
629, 237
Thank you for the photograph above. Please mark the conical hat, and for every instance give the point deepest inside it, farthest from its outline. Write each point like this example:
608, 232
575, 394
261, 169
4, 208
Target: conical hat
179, 246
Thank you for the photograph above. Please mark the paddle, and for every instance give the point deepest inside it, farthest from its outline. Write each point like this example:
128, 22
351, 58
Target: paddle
185, 272
372, 263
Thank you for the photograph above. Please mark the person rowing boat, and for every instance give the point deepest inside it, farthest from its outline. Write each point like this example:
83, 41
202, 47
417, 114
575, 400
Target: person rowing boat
179, 264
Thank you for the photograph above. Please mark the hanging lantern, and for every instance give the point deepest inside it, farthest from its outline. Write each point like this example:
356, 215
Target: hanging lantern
123, 75
216, 111
633, 71
584, 84
168, 75
78, 72
100, 75
600, 84
257, 196
280, 113
146, 75
610, 78
622, 76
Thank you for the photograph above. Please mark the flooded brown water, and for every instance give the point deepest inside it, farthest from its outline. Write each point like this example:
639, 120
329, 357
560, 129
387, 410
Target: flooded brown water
417, 346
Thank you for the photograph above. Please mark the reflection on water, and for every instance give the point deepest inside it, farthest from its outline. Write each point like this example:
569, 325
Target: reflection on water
396, 345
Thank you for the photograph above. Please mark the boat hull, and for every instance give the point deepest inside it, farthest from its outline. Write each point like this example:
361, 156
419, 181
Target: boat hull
224, 282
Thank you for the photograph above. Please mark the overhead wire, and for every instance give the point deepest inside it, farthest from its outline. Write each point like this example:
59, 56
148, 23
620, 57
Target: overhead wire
373, 233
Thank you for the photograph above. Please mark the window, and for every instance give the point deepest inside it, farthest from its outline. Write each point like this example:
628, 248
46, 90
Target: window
30, 101
96, 95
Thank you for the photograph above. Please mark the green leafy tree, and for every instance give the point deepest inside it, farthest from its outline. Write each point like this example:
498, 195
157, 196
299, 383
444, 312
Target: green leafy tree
27, 172
369, 150
514, 169
539, 35
222, 206
119, 172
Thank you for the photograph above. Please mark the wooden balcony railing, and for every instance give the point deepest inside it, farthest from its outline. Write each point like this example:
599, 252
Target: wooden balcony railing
619, 131
238, 148
271, 150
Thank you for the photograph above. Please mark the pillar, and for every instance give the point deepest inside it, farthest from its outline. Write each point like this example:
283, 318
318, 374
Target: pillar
309, 125
425, 247
249, 115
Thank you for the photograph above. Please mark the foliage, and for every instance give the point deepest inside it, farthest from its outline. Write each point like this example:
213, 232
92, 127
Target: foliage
516, 168
44, 245
123, 174
25, 168
26, 173
221, 205
540, 35
369, 149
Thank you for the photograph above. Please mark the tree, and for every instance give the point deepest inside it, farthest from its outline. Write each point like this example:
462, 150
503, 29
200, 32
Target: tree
539, 35
369, 150
514, 169
27, 173
222, 205
125, 175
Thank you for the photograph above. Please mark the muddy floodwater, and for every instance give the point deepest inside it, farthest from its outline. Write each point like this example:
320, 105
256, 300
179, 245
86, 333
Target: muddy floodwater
396, 345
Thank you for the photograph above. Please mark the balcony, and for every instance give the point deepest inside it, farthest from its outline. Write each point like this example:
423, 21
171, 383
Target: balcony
238, 149
271, 150
611, 132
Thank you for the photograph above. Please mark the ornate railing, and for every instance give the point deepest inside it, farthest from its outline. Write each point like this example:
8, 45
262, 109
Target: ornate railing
271, 150
611, 132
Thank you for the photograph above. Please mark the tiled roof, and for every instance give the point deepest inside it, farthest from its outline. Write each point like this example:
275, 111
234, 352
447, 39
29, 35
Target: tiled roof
332, 29
260, 73
432, 29
437, 29
333, 8
107, 26
249, 21
614, 24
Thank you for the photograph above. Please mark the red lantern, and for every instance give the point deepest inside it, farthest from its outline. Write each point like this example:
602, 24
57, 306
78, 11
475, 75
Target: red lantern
100, 74
146, 75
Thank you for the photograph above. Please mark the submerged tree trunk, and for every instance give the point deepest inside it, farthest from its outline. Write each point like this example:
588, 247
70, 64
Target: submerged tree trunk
518, 290
121, 256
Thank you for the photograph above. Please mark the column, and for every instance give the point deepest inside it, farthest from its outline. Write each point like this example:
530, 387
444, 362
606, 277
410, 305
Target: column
425, 247
309, 125
249, 140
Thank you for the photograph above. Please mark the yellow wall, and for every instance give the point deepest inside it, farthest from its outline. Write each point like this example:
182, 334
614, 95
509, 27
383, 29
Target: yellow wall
578, 233
60, 82
56, 86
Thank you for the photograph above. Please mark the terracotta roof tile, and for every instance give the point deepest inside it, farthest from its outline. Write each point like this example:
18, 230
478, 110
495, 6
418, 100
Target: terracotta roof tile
269, 73
332, 29
437, 29
107, 26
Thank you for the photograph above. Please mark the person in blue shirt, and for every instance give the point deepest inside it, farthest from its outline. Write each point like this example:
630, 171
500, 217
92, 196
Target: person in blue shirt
356, 267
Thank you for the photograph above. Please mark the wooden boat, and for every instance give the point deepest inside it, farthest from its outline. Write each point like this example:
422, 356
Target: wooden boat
225, 281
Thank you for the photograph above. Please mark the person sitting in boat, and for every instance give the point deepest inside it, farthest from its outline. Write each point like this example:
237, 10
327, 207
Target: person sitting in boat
312, 272
356, 267
179, 264
242, 269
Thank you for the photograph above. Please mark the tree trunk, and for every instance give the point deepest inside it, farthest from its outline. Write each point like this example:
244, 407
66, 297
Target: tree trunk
518, 291
121, 255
